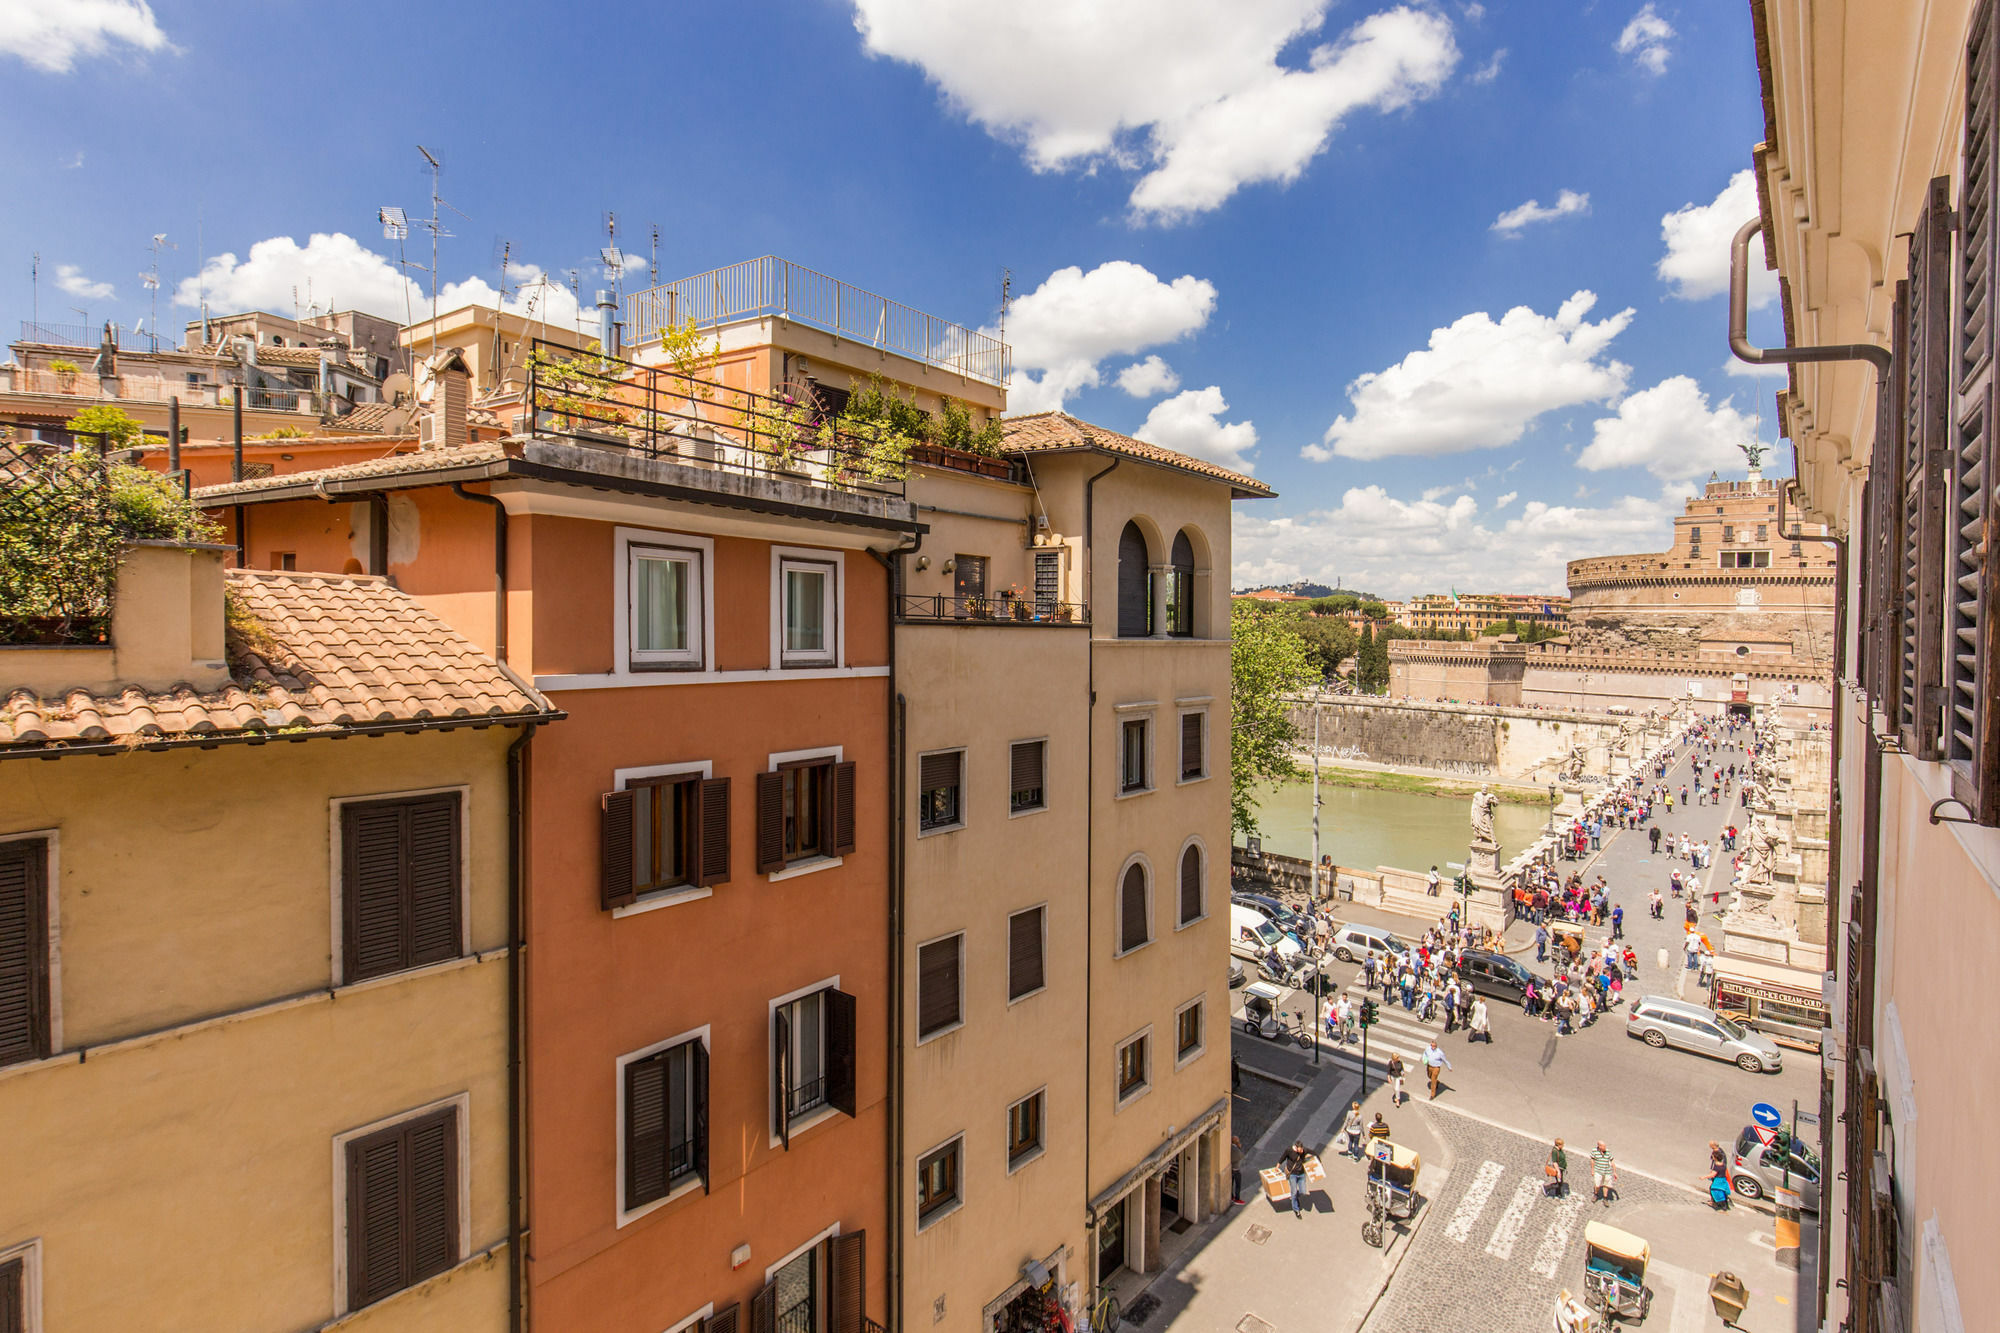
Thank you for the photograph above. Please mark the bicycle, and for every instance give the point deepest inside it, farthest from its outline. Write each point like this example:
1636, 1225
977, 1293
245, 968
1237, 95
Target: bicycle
1104, 1311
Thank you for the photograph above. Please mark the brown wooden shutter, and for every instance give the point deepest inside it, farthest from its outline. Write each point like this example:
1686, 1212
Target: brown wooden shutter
938, 984
728, 1319
1024, 953
1191, 759
615, 834
14, 1297
24, 951
1926, 439
698, 1077
433, 1149
937, 770
843, 808
1133, 928
1971, 739
713, 822
1190, 884
402, 1206
840, 1053
645, 1130
770, 822
847, 1265
781, 1073
433, 871
1025, 761
764, 1309
372, 889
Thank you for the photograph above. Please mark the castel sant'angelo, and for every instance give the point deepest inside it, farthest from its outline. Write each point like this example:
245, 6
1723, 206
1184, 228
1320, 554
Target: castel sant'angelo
1735, 613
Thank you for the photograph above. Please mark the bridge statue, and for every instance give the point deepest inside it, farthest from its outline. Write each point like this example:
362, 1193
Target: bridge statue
1482, 818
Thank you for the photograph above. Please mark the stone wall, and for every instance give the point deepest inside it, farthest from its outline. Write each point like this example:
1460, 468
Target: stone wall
1461, 740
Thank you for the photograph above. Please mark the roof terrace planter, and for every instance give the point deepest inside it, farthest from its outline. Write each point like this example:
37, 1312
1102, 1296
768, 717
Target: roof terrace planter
962, 460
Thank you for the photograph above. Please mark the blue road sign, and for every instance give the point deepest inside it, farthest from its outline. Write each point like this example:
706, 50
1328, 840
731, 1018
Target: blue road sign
1766, 1115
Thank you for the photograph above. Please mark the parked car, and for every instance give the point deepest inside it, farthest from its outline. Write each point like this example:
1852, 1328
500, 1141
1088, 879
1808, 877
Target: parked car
1296, 924
1659, 1020
1354, 941
1757, 1168
1251, 934
1498, 975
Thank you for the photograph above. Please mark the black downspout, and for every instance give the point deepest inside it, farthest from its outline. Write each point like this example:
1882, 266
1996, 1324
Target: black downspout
499, 565
1089, 847
236, 474
378, 533
517, 755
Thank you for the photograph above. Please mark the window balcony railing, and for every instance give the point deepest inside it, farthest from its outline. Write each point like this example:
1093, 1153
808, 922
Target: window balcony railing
927, 608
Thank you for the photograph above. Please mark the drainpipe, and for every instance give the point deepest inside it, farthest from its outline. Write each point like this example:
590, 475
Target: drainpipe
1089, 854
236, 474
499, 564
517, 983
378, 533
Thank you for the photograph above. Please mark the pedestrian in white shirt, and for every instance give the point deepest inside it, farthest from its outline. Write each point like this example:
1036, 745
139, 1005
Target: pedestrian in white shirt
1435, 1063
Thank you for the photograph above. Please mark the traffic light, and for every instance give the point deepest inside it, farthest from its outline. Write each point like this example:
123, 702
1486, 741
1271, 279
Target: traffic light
1368, 1010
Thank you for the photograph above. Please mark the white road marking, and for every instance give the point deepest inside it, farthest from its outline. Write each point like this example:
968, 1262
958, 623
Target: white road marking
1556, 1239
1509, 1229
1474, 1202
1690, 1291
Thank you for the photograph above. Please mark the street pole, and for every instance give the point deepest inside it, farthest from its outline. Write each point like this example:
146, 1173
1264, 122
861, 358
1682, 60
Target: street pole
1364, 1057
1792, 1145
1313, 904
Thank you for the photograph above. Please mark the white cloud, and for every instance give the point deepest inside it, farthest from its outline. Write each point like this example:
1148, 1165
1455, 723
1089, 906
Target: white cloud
1697, 236
1075, 320
71, 279
1645, 39
343, 274
1489, 71
1188, 91
1671, 431
1750, 370
1437, 492
1505, 500
51, 34
1568, 202
1479, 384
1399, 548
1143, 379
1190, 423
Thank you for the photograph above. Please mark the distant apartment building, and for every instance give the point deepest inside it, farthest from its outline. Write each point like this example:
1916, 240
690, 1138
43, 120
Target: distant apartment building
370, 341
1476, 612
256, 964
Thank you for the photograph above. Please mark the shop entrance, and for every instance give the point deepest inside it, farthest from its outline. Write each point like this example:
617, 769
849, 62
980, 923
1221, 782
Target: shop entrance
1111, 1239
1034, 1310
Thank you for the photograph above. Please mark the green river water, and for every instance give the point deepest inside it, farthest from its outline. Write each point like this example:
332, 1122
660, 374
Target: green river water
1363, 827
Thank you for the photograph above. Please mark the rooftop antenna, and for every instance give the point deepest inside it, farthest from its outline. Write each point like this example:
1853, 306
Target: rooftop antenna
35, 298
506, 248
656, 255
614, 268
436, 228
1006, 299
396, 227
575, 277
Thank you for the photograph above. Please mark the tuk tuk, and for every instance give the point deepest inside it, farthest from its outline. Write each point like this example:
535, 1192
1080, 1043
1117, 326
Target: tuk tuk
1263, 1018
1392, 1188
1567, 938
1614, 1272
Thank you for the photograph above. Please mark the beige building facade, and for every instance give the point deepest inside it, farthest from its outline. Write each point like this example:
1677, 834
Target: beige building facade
254, 1084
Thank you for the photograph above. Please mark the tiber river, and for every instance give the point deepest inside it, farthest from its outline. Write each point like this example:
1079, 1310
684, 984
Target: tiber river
1365, 828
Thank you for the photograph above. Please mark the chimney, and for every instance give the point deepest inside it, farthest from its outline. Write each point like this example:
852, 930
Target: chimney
607, 323
443, 424
105, 367
166, 628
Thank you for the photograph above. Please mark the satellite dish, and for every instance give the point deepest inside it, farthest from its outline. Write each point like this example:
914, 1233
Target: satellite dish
396, 421
397, 386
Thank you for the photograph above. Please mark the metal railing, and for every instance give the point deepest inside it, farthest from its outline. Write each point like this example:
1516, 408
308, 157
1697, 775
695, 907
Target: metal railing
804, 1097
60, 335
1027, 610
770, 286
657, 412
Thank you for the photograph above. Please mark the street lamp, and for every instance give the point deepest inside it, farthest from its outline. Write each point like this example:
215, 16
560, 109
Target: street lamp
1555, 794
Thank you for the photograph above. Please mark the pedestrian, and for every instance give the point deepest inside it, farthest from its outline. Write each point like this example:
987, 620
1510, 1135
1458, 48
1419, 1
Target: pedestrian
1347, 1019
1557, 1171
1354, 1128
1435, 1064
1378, 1129
1541, 943
1432, 881
1235, 1169
1368, 971
1653, 835
1235, 1074
1617, 922
1602, 1173
1395, 1079
1294, 1163
1480, 1027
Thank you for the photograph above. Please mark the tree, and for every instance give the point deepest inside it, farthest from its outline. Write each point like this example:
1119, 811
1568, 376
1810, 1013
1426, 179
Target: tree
107, 425
1268, 663
1328, 641
1371, 667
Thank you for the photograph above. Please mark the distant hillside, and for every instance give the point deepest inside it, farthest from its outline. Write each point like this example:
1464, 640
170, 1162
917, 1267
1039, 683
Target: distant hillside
1307, 588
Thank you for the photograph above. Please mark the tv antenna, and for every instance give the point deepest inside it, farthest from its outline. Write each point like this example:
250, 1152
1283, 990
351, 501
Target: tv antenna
655, 274
505, 259
151, 280
396, 227
436, 228
575, 277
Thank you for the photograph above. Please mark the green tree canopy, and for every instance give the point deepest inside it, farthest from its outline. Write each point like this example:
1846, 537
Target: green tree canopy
108, 424
1268, 661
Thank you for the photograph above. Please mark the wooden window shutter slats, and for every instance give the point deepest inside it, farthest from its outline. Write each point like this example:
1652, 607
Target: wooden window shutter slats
434, 879
698, 1076
645, 1129
402, 1206
1025, 765
401, 884
1133, 928
764, 1309
375, 1229
1191, 757
847, 1262
1024, 953
616, 874
781, 1074
938, 968
843, 808
1926, 438
14, 1297
372, 890
726, 1320
433, 1196
840, 1050
1190, 884
938, 770
24, 951
714, 822
770, 822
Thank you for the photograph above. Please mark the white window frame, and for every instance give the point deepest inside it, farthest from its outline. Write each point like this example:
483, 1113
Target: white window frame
1025, 811
622, 670
812, 1118
461, 1105
624, 778
771, 1270
1121, 1100
693, 1321
834, 562
52, 899
964, 785
1118, 905
1041, 1148
29, 1252
1200, 709
694, 657
1196, 841
623, 1215
1043, 908
1145, 715
949, 1028
335, 865
958, 1201
1201, 1048
812, 864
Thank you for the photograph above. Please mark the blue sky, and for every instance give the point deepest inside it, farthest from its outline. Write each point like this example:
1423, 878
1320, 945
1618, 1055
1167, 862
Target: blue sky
1294, 205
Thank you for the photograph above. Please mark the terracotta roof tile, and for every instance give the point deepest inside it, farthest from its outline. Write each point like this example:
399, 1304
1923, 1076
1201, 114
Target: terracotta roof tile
324, 652
1051, 432
423, 460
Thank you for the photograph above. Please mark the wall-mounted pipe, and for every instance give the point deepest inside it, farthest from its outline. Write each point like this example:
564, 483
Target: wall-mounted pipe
499, 564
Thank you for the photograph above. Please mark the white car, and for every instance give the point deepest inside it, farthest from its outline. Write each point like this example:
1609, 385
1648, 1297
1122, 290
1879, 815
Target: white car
1353, 942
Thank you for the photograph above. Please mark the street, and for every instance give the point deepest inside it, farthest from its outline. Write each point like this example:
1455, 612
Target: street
1490, 1248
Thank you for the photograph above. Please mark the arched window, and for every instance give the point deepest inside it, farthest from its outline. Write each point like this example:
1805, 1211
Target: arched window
1134, 929
1135, 603
1180, 588
1190, 884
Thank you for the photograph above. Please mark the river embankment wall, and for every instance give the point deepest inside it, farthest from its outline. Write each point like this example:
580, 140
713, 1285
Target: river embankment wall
1482, 742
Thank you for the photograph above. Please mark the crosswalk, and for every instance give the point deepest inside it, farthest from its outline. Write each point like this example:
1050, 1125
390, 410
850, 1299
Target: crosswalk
1397, 1030
1530, 1210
